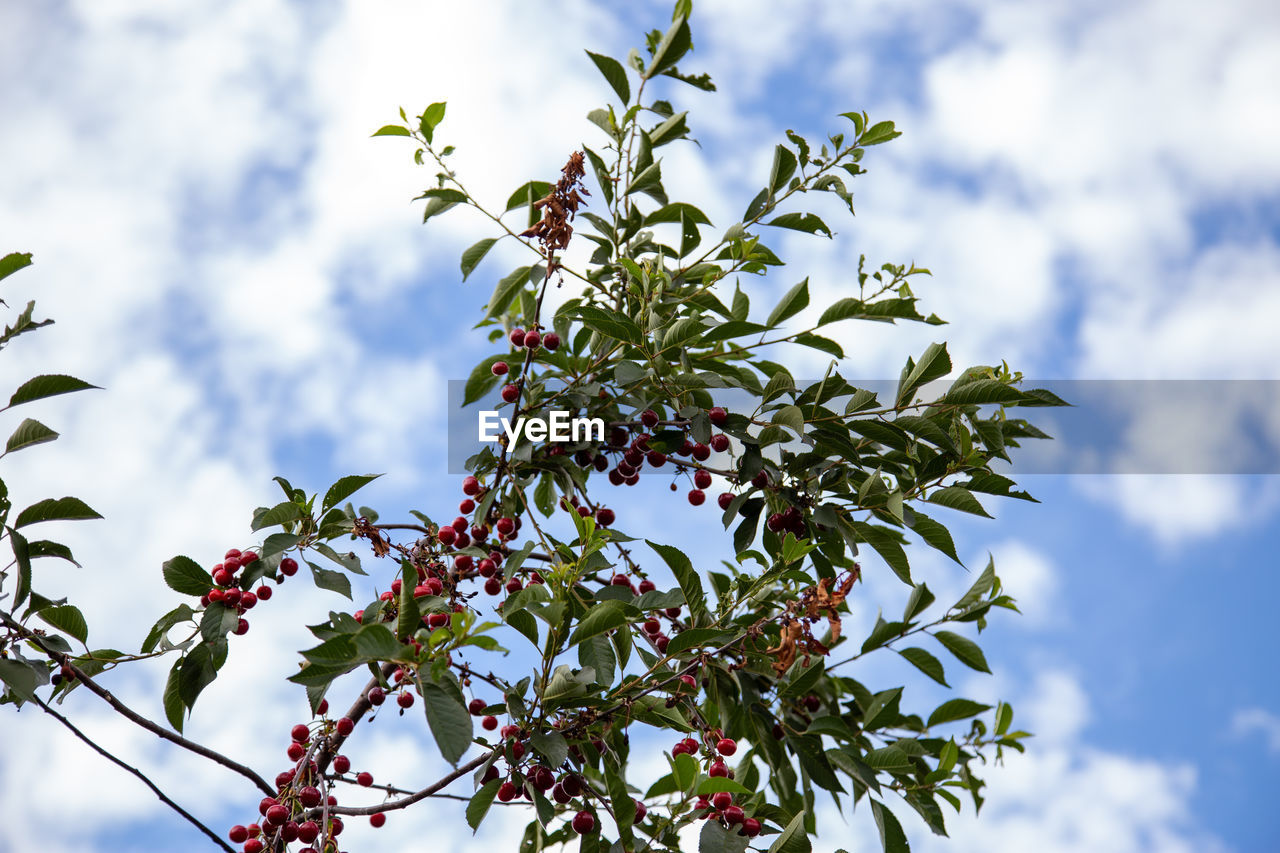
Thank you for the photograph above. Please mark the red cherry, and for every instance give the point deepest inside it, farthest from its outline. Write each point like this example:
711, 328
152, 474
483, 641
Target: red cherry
514, 586
724, 500
516, 337
533, 339
506, 792
727, 746
377, 695
447, 535
238, 834
721, 800
476, 706
248, 600
493, 586
288, 566
335, 826
505, 526
697, 496
296, 751
437, 620
718, 415
378, 820
649, 418
751, 827
760, 480
242, 627
720, 443
661, 643
647, 585
812, 702
222, 577
700, 452
462, 562
470, 486
277, 815
652, 626
656, 458
718, 769
309, 796
584, 822
341, 764
510, 393
733, 815
551, 341
308, 831
253, 845
364, 778
405, 699
605, 516
345, 725
499, 368
688, 680
701, 479
641, 811
489, 723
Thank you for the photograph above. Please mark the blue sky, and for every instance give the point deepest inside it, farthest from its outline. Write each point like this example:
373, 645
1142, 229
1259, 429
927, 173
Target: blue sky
227, 252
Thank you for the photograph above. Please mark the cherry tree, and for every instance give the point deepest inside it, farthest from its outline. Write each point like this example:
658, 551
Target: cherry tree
533, 628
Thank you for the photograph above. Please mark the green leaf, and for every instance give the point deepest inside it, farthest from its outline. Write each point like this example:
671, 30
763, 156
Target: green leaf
926, 663
392, 130
449, 720
686, 576
409, 619
793, 839
184, 575
29, 432
13, 262
807, 222
955, 709
692, 638
979, 588
344, 488
430, 119
330, 580
19, 678
66, 618
527, 194
613, 72
181, 613
934, 533
47, 385
958, 497
479, 805
877, 133
790, 417
883, 709
611, 324
889, 549
892, 838
784, 166
714, 838
551, 745
49, 509
674, 45
174, 709
934, 363
714, 784
965, 650
472, 256
601, 618
795, 301
217, 621
598, 653
503, 293
281, 513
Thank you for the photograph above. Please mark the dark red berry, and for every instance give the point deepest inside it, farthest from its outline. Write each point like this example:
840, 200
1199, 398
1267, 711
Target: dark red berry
733, 815
277, 815
309, 796
405, 699
701, 479
720, 443
605, 516
493, 586
700, 452
242, 627
697, 496
377, 695
649, 418
253, 845
288, 566
341, 764
364, 778
718, 769
750, 827
584, 822
721, 800
533, 339
499, 368
476, 706
345, 725
551, 341
812, 702
378, 820
647, 585
308, 831
510, 393
506, 792
718, 415
516, 337
489, 723
238, 834
727, 746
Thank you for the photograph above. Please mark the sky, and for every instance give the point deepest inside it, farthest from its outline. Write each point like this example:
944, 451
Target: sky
237, 263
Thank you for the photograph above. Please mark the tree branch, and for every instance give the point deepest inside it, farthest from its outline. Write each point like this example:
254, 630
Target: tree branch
133, 716
441, 783
136, 772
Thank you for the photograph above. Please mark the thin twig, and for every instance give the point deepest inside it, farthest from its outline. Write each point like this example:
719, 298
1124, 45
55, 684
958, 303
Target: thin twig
136, 772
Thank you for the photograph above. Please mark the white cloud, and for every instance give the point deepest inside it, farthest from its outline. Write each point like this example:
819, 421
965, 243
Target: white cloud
1259, 723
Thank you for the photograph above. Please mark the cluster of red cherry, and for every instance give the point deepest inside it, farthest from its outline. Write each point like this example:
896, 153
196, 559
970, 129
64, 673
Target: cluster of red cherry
720, 805
520, 339
230, 592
